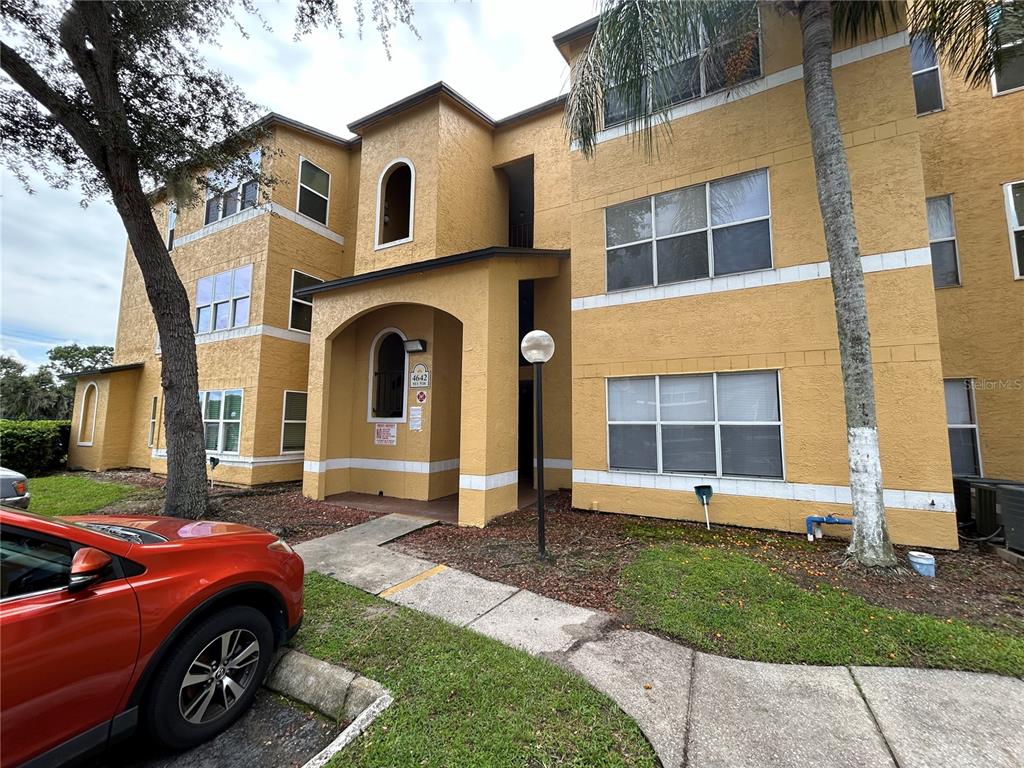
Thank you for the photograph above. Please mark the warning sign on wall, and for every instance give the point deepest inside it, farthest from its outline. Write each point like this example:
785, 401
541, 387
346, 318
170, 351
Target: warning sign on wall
385, 434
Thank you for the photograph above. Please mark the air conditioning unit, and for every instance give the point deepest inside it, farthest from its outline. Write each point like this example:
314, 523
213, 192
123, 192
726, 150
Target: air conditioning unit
1010, 500
983, 506
962, 497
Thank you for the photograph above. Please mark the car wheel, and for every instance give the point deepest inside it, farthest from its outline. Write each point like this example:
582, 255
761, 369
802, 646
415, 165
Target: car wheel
210, 678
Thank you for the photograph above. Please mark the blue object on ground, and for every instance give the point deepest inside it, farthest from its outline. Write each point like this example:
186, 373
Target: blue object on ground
923, 563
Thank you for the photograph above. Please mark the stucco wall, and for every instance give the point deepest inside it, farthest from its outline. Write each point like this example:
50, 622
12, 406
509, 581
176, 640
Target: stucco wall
970, 150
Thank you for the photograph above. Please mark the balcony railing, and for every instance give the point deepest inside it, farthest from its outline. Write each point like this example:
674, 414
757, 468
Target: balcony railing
520, 235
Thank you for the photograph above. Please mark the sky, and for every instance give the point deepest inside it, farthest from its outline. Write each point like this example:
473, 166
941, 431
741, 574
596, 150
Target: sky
61, 263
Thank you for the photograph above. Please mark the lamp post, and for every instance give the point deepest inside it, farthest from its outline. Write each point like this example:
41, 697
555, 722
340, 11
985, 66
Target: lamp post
538, 347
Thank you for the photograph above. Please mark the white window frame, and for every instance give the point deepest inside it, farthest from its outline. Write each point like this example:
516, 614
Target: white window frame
92, 421
716, 423
942, 91
153, 416
300, 301
969, 386
284, 421
1011, 217
377, 244
708, 229
704, 92
956, 245
231, 301
299, 186
221, 421
370, 418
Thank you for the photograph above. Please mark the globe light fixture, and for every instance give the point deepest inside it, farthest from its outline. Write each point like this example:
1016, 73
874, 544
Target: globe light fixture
538, 347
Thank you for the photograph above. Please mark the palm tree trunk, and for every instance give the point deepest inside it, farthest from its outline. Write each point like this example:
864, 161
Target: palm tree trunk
870, 545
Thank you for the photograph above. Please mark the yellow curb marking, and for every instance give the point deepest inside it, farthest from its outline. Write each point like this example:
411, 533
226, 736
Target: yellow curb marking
414, 580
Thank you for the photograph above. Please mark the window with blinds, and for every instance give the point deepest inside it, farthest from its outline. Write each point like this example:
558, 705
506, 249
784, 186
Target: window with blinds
724, 424
293, 428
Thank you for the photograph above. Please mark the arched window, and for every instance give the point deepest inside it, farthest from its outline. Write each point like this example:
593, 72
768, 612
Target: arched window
387, 376
396, 192
87, 420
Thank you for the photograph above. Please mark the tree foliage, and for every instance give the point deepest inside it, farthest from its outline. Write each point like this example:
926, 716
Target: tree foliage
49, 392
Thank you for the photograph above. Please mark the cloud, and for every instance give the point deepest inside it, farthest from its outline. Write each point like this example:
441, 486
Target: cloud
62, 264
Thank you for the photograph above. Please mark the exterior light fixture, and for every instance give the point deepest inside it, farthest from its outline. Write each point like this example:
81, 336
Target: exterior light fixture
538, 347
415, 345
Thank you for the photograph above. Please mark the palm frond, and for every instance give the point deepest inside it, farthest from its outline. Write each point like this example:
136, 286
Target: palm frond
637, 55
970, 36
854, 19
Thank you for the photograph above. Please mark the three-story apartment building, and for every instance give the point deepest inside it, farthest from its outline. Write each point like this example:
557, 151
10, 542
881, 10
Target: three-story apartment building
360, 331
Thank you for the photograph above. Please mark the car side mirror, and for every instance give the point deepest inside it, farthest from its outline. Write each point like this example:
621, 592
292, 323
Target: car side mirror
87, 566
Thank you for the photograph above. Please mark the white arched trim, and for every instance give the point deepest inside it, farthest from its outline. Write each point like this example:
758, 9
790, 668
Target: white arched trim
405, 378
92, 420
384, 175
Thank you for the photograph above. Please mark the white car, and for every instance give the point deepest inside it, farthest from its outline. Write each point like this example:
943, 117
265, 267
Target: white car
13, 489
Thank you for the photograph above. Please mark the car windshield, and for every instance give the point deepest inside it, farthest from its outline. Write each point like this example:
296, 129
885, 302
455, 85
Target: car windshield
125, 533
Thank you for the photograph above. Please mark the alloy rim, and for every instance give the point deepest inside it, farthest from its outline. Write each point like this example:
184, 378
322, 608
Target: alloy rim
219, 676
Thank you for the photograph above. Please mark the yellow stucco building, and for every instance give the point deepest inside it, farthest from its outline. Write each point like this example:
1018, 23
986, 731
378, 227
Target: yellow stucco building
360, 330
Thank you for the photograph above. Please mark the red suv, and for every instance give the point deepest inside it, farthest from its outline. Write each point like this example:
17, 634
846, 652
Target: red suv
108, 622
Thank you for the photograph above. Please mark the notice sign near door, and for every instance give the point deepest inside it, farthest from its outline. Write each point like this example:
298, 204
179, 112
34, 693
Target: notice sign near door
385, 434
420, 377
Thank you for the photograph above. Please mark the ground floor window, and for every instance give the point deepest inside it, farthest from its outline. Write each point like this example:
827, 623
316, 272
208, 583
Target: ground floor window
152, 421
962, 422
387, 390
293, 428
222, 419
725, 424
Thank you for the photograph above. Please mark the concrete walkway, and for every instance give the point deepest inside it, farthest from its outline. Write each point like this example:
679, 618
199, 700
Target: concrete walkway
697, 709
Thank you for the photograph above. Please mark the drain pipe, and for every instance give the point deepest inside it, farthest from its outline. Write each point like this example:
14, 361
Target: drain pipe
814, 523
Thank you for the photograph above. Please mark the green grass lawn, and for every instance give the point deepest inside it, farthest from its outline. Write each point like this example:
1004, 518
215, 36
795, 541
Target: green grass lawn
461, 699
61, 495
727, 603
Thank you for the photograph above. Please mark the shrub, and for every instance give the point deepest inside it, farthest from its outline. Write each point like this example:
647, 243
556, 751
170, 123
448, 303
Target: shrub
33, 447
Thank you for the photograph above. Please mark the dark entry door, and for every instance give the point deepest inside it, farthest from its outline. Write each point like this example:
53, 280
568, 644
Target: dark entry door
526, 432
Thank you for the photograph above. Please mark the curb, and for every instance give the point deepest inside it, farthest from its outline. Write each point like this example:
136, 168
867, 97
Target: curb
331, 690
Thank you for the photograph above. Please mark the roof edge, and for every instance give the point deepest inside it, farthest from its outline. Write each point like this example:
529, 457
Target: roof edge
440, 88
567, 36
274, 118
431, 264
101, 371
537, 109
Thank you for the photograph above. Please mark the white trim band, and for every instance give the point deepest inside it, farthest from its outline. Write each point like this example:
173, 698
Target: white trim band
251, 213
488, 482
382, 465
766, 489
819, 270
252, 330
235, 460
766, 82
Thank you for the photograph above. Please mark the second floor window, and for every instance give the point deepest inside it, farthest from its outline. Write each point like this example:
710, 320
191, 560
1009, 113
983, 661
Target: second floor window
942, 237
222, 300
236, 196
301, 316
692, 76
172, 221
924, 65
713, 229
314, 191
1010, 74
396, 191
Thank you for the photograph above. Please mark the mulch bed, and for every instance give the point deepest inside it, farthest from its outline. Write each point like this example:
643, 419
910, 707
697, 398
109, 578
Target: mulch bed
280, 509
588, 550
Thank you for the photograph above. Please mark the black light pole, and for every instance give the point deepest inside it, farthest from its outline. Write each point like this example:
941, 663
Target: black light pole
538, 347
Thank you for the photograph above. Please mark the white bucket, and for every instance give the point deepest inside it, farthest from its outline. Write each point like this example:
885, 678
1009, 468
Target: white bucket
922, 562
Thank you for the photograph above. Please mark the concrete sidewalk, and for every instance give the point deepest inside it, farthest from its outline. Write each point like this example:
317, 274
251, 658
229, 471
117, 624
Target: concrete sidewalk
697, 709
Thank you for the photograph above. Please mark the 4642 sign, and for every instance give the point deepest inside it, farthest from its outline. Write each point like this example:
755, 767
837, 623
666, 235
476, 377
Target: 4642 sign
419, 378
